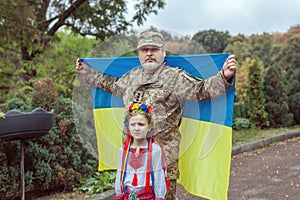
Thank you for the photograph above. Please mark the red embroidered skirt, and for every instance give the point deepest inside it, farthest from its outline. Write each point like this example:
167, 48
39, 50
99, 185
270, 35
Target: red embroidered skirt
142, 195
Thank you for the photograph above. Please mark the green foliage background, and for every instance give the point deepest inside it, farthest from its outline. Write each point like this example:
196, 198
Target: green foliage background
255, 95
38, 49
276, 98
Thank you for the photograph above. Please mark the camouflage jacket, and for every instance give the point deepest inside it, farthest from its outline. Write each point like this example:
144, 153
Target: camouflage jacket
166, 90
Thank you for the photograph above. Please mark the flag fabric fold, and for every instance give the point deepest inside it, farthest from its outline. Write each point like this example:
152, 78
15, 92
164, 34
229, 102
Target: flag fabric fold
205, 149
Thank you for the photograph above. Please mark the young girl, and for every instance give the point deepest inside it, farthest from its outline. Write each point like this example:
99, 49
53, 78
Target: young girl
141, 168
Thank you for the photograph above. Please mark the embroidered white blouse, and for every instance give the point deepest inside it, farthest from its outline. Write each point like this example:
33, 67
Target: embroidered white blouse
137, 163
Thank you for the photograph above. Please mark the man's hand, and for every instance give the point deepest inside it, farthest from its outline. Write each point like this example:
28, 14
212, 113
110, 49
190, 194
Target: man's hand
229, 67
81, 67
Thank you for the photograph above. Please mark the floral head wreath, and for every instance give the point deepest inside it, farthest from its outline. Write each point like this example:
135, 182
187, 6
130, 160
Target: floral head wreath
141, 109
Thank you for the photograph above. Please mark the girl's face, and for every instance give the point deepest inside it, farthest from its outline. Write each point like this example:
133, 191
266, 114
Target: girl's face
138, 127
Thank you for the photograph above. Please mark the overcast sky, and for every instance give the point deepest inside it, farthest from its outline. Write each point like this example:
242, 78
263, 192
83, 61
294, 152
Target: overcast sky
247, 17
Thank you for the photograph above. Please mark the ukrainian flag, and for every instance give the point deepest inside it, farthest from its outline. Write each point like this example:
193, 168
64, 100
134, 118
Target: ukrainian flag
205, 150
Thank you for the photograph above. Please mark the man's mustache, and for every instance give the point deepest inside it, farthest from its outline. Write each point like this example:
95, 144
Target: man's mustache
150, 58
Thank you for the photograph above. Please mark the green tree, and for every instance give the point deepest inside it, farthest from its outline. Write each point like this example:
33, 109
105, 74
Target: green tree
242, 80
28, 26
275, 54
261, 45
255, 95
212, 41
58, 60
38, 19
118, 45
239, 46
285, 48
276, 98
293, 92
289, 55
254, 46
293, 30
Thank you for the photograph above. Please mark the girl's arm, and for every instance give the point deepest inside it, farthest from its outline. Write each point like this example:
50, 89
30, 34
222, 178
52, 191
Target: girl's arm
117, 181
158, 161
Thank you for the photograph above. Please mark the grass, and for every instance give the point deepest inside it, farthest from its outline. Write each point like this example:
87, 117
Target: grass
249, 135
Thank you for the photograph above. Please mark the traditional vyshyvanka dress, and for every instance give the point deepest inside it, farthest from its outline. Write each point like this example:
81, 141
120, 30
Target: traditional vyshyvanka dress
132, 179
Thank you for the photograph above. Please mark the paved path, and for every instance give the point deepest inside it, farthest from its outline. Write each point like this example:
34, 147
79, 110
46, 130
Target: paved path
269, 174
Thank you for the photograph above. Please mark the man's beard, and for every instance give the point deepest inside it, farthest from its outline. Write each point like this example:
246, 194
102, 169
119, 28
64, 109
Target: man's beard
151, 67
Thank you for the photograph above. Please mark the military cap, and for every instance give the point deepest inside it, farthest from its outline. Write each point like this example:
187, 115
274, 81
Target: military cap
150, 38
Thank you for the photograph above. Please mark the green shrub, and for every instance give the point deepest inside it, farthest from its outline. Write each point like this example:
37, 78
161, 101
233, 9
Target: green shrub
255, 95
9, 168
16, 103
240, 110
57, 161
99, 182
241, 123
276, 98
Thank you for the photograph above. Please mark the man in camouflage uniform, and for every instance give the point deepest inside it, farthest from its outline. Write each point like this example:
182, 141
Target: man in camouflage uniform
166, 89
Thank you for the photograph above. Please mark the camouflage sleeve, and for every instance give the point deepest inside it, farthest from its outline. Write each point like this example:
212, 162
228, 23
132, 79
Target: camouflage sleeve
192, 88
106, 82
